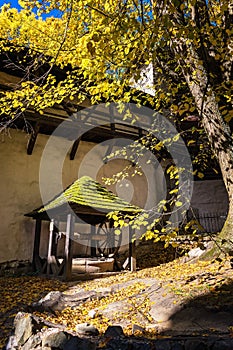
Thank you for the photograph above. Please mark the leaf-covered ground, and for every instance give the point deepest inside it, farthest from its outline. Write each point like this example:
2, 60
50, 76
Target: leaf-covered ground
201, 283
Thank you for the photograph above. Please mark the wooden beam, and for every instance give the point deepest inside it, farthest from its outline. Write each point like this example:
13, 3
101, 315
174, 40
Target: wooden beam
51, 227
36, 249
49, 256
32, 140
132, 251
140, 134
74, 148
69, 247
52, 266
109, 151
55, 238
93, 241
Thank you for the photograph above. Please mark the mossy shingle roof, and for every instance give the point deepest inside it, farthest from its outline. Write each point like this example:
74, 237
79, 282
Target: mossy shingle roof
87, 193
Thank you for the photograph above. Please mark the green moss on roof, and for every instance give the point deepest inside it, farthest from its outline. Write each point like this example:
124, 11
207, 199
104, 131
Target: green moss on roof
87, 192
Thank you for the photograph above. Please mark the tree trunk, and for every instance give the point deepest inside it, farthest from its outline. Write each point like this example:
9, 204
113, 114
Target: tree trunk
224, 240
217, 130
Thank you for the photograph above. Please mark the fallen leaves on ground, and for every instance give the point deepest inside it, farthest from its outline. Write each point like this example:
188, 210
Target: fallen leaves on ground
19, 292
188, 281
71, 317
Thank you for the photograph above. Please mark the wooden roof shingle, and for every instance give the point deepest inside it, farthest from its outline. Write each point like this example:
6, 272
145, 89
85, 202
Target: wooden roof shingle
86, 196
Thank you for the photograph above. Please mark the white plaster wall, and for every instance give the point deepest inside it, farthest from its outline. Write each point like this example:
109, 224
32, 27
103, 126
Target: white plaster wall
146, 81
209, 196
20, 186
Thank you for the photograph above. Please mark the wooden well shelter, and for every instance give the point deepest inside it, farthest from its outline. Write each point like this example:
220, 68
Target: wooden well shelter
84, 201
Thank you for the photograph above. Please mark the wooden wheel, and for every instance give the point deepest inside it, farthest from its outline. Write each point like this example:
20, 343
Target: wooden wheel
110, 244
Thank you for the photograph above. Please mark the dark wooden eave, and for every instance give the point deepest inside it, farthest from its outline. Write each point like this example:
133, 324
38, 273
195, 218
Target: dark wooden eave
53, 117
86, 214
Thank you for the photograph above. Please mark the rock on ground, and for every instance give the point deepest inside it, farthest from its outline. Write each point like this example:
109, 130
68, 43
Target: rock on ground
30, 335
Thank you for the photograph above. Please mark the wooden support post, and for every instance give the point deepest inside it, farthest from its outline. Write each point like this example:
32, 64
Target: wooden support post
36, 249
112, 119
109, 151
32, 140
55, 239
69, 246
52, 266
74, 148
132, 251
93, 242
140, 132
49, 256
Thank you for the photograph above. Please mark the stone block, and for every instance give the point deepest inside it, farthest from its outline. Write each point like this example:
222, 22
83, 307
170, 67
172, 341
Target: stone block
23, 323
53, 338
114, 331
86, 329
76, 343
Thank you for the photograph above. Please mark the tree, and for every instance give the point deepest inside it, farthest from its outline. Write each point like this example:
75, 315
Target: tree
101, 45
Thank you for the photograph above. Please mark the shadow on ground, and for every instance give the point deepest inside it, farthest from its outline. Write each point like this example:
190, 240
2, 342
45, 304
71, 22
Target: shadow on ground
207, 313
